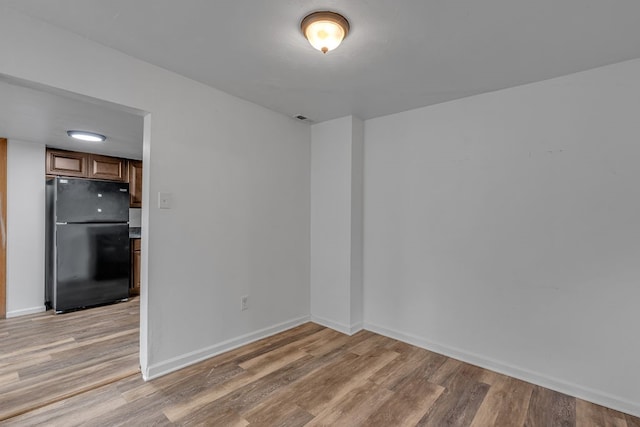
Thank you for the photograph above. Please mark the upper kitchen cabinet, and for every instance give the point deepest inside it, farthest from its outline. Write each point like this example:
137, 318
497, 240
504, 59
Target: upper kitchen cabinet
66, 163
135, 183
85, 165
94, 166
105, 167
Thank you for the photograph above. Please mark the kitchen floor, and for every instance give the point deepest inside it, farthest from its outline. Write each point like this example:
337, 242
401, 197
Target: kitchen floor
46, 358
82, 368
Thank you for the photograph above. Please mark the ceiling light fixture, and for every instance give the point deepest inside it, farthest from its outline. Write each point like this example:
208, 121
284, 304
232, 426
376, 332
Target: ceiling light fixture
325, 30
86, 136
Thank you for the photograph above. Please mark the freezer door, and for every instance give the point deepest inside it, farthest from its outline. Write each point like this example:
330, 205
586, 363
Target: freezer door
86, 200
92, 265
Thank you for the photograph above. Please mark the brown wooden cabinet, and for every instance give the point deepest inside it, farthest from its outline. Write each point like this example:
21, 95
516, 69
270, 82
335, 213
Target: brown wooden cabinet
105, 167
134, 288
66, 163
135, 184
94, 166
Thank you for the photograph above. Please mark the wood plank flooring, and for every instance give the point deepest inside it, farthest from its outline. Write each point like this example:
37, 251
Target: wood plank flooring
81, 369
45, 358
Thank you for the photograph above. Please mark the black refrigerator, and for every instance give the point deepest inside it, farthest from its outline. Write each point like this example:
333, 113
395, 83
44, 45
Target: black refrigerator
87, 247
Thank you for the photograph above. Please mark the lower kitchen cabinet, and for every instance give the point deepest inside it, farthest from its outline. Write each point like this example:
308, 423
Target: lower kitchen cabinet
135, 267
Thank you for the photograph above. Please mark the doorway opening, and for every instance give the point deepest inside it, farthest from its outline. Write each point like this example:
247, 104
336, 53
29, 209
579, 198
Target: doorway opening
100, 344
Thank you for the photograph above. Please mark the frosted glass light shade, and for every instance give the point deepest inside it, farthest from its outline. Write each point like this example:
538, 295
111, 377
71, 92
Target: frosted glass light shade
86, 136
325, 30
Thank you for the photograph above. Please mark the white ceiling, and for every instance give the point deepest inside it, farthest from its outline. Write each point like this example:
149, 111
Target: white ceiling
44, 115
399, 55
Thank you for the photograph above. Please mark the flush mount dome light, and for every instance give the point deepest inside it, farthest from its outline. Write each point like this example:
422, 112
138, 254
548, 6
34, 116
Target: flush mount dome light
325, 30
86, 136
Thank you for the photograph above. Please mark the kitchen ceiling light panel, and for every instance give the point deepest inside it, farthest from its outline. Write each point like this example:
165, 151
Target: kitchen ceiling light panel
86, 136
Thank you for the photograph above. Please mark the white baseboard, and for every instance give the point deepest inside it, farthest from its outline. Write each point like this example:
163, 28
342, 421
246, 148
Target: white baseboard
336, 326
584, 393
184, 360
25, 311
356, 327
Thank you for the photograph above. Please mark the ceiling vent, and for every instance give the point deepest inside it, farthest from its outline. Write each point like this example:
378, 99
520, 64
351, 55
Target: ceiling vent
303, 118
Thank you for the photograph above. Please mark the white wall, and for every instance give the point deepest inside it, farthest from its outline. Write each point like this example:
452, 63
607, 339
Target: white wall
25, 228
336, 223
504, 229
239, 175
330, 223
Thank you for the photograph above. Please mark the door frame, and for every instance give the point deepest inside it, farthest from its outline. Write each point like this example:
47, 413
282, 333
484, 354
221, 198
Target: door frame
3, 228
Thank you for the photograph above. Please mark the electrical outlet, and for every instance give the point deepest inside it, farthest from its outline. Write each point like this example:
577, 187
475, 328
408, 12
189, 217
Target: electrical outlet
244, 303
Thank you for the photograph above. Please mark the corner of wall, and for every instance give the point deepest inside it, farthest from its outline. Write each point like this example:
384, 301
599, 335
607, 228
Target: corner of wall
337, 326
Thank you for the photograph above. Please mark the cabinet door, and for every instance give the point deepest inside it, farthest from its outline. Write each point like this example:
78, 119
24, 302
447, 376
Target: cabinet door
136, 271
104, 167
66, 163
135, 184
135, 267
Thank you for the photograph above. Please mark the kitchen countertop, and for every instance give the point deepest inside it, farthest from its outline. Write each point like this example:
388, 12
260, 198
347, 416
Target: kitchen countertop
135, 232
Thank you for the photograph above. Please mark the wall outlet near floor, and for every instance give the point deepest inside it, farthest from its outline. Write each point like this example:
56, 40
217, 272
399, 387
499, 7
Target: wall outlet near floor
244, 302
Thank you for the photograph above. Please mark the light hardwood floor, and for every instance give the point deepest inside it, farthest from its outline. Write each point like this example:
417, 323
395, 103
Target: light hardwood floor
81, 369
44, 357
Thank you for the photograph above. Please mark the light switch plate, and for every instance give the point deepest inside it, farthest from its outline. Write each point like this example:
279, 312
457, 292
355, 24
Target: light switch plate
164, 200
